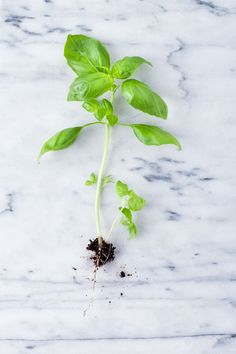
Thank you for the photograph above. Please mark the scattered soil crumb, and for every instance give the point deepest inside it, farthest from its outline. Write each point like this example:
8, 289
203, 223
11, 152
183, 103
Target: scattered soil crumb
122, 274
129, 275
74, 268
103, 254
109, 301
121, 294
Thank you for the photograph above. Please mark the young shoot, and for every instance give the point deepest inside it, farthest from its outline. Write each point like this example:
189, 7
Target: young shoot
96, 85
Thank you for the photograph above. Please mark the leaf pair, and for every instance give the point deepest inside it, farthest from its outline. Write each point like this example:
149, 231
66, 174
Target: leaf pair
100, 109
93, 180
133, 202
128, 222
90, 60
88, 55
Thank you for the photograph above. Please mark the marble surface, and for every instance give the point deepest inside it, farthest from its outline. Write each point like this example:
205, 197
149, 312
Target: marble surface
181, 297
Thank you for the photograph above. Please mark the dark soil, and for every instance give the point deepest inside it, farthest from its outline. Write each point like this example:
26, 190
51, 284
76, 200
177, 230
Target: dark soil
122, 274
101, 255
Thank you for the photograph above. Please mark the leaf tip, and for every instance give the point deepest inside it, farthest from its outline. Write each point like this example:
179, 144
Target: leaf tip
39, 157
179, 146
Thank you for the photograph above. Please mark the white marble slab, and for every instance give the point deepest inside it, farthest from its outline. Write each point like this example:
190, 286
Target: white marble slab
181, 297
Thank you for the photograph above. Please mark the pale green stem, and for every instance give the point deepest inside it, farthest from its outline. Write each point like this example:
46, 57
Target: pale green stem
99, 183
100, 178
93, 123
124, 125
115, 221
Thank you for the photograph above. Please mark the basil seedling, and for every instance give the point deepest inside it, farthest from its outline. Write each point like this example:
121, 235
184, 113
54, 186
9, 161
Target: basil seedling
90, 61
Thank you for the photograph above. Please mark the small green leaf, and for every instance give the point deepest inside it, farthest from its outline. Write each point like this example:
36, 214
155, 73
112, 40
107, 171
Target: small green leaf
85, 54
90, 105
107, 180
152, 135
61, 140
135, 202
132, 230
122, 69
98, 108
88, 86
92, 179
131, 227
112, 119
107, 105
100, 113
127, 212
103, 69
141, 97
121, 189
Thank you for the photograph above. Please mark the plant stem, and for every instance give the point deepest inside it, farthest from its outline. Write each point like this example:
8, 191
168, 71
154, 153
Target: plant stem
116, 219
100, 177
93, 123
124, 125
99, 183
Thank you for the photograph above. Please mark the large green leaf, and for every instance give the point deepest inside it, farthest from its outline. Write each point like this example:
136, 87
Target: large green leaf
61, 140
89, 86
141, 97
124, 68
152, 135
85, 54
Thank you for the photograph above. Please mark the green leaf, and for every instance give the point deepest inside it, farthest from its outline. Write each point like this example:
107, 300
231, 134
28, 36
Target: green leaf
90, 105
135, 202
61, 140
131, 227
88, 86
107, 180
92, 179
100, 113
132, 230
121, 189
152, 135
127, 212
112, 119
98, 108
124, 68
107, 105
85, 54
141, 97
